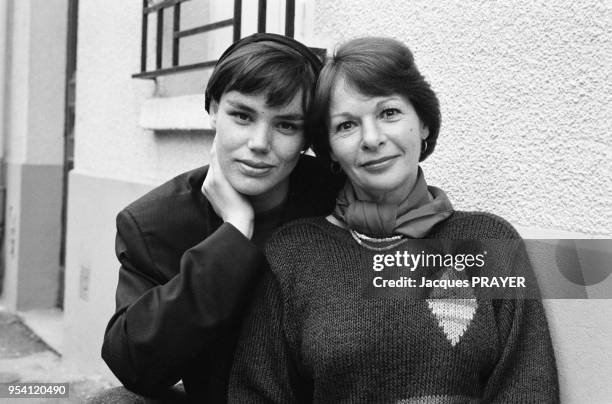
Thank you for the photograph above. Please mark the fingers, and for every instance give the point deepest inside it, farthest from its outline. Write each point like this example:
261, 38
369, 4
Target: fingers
228, 204
210, 182
213, 148
213, 153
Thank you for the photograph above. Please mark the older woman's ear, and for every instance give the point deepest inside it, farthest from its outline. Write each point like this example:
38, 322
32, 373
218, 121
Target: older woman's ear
424, 131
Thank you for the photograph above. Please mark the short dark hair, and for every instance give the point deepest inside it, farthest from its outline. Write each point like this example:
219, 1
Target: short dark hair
375, 66
265, 67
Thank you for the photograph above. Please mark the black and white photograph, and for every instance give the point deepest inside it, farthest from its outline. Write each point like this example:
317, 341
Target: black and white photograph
305, 201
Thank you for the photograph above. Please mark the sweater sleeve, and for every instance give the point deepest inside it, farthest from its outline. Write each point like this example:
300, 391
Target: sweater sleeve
161, 325
264, 368
526, 370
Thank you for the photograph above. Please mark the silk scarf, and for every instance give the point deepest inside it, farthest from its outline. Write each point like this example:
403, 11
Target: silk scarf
414, 217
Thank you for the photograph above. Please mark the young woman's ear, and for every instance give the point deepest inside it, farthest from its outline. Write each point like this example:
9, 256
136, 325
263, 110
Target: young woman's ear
212, 112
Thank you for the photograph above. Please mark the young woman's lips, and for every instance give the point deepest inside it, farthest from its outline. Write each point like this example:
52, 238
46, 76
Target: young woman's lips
379, 163
254, 168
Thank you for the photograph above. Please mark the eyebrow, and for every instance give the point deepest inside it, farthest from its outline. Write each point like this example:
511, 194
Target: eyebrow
378, 105
244, 107
381, 102
240, 105
340, 115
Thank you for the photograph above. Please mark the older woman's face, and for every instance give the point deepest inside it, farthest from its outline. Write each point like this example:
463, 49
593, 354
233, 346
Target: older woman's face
376, 141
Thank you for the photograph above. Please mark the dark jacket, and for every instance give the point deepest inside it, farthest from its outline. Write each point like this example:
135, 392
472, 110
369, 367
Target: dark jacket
184, 281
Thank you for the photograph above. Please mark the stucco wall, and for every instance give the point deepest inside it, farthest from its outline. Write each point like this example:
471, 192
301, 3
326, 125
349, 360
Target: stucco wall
525, 91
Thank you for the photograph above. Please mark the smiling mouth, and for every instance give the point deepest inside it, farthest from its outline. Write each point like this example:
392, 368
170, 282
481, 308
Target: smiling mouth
378, 162
260, 165
254, 168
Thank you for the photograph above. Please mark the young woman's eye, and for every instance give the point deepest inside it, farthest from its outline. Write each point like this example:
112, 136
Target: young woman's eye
388, 113
288, 126
241, 117
344, 126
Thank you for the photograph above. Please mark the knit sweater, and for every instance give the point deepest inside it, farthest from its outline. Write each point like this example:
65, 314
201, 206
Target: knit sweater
315, 334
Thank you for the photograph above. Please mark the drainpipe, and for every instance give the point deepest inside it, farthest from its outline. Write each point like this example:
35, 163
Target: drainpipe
5, 8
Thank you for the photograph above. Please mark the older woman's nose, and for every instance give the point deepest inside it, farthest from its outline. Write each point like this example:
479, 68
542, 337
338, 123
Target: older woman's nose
371, 136
259, 139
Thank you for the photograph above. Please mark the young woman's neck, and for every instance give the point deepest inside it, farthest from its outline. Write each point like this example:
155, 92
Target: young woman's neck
270, 199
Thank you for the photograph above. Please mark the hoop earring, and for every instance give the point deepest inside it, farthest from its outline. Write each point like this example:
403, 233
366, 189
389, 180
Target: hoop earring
335, 168
423, 148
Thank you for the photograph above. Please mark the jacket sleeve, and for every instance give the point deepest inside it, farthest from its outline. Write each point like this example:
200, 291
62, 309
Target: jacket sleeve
161, 325
264, 369
526, 370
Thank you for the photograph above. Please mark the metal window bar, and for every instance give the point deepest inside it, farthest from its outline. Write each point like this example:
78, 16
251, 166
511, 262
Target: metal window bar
289, 18
177, 34
261, 16
159, 39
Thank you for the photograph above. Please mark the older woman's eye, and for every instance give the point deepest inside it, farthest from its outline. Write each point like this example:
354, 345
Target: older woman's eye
344, 126
389, 112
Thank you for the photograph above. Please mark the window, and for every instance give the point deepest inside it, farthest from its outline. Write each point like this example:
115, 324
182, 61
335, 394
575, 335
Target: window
169, 40
182, 39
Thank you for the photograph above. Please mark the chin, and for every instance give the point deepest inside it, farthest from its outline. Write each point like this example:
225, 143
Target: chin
250, 186
381, 187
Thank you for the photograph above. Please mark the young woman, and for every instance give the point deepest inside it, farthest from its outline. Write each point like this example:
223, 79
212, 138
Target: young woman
318, 332
190, 250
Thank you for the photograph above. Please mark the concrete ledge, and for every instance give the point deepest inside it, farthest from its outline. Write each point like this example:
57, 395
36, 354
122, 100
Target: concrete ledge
175, 113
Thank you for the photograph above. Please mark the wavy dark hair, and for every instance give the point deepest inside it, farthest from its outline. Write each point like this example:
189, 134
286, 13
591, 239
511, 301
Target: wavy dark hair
375, 66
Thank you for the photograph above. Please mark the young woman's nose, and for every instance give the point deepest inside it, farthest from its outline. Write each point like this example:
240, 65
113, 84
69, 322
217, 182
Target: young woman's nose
259, 139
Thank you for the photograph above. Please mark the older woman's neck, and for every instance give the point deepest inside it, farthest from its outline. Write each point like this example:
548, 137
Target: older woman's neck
394, 196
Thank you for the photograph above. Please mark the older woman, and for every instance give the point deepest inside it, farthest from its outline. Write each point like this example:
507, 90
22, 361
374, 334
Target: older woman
317, 333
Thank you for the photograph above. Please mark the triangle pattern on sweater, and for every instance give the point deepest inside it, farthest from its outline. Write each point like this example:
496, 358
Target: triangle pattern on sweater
453, 308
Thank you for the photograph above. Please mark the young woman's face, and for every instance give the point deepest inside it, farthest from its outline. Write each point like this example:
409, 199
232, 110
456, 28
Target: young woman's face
258, 146
376, 141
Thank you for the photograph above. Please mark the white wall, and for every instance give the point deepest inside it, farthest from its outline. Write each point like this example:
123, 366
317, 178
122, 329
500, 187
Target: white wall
525, 91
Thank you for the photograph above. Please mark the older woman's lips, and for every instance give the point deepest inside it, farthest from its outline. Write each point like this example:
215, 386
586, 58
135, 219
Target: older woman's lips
379, 164
254, 168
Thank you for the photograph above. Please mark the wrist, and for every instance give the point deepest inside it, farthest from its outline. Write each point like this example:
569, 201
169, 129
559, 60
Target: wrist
244, 226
